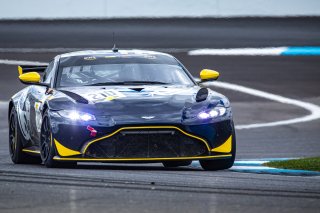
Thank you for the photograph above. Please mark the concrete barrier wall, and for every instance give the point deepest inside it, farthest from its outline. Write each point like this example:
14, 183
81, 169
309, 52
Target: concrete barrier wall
70, 9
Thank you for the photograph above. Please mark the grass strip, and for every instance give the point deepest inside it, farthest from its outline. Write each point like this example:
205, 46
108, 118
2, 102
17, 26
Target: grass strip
311, 164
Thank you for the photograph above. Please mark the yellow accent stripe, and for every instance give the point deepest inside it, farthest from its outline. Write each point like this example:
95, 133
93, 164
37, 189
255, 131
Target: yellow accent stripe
31, 151
110, 98
20, 70
64, 151
225, 147
145, 127
140, 159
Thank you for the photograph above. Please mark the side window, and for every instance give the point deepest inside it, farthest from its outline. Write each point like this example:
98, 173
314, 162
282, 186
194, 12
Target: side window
48, 73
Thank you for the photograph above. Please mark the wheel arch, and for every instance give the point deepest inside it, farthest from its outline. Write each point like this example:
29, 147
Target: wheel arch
11, 105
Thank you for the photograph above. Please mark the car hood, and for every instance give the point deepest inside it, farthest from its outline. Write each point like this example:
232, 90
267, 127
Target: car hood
134, 103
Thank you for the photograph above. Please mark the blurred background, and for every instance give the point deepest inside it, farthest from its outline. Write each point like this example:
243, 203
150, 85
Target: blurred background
270, 46
108, 9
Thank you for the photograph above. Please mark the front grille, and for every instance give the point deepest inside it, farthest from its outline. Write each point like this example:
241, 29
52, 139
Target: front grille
147, 143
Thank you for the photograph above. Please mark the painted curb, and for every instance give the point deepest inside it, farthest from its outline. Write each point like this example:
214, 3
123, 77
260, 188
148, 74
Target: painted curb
264, 51
256, 166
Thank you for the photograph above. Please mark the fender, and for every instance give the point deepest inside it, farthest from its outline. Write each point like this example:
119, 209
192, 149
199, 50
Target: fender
18, 101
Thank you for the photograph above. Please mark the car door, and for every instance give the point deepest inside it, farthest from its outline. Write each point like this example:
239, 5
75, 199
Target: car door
36, 98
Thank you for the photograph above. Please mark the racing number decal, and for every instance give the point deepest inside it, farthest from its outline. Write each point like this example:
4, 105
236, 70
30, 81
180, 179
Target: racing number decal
106, 95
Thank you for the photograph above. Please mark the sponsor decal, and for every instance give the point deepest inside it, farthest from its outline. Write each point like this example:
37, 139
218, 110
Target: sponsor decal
22, 110
148, 117
171, 91
149, 56
93, 132
110, 56
37, 107
106, 95
50, 97
89, 58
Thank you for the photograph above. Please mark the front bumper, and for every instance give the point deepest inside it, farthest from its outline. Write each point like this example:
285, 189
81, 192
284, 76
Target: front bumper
143, 143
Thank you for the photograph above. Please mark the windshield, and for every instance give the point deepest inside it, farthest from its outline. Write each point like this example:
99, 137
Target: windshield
126, 71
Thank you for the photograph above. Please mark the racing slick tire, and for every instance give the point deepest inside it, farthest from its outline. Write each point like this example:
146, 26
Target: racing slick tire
47, 146
178, 163
16, 142
221, 164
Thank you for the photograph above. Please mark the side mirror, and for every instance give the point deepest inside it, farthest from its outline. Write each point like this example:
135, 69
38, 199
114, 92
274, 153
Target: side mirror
31, 78
209, 75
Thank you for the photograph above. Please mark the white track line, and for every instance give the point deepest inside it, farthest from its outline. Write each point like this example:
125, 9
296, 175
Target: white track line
37, 50
312, 108
240, 51
17, 62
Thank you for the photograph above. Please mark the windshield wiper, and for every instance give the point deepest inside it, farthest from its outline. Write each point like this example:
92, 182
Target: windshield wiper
143, 82
126, 83
105, 84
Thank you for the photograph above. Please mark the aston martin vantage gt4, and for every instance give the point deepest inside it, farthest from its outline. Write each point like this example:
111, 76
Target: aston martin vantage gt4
119, 106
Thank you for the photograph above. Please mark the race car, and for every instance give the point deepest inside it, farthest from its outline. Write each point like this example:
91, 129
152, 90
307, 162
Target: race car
115, 105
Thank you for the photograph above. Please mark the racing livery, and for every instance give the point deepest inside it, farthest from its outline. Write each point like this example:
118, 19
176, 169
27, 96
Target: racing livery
119, 106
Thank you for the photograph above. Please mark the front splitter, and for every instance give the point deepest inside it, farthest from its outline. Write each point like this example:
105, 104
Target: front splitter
140, 159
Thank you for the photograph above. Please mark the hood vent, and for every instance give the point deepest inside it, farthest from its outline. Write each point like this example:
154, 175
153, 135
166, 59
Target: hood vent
137, 89
202, 94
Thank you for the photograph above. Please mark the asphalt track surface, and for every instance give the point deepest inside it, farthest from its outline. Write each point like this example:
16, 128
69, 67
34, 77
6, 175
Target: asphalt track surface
150, 187
162, 33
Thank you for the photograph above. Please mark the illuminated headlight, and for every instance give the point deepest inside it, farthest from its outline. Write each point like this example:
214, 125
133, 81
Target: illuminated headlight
76, 115
213, 113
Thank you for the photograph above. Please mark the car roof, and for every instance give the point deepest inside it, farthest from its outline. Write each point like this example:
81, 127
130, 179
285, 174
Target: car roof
110, 52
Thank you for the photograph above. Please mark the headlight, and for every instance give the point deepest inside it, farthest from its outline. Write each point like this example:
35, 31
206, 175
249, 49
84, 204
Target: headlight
213, 113
76, 115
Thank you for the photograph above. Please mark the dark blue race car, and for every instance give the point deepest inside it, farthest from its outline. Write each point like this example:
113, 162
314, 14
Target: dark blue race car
119, 106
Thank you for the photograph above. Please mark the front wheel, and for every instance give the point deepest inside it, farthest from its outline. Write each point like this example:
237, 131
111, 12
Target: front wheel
220, 164
47, 147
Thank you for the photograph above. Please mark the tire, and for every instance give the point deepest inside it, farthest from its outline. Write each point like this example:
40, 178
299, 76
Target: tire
16, 142
47, 147
221, 164
169, 164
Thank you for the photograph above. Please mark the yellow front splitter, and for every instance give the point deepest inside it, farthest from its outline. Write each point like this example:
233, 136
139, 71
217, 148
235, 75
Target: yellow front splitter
141, 159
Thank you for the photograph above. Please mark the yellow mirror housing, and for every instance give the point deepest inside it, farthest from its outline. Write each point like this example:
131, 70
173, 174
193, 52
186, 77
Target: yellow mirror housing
30, 78
207, 75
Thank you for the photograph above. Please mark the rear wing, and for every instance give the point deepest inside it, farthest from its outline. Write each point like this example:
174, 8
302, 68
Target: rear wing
29, 68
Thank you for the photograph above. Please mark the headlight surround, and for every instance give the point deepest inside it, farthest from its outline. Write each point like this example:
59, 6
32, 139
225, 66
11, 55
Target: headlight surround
76, 115
212, 113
